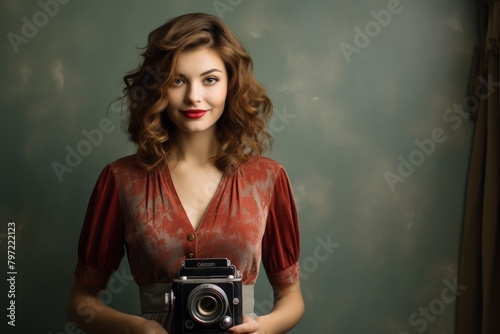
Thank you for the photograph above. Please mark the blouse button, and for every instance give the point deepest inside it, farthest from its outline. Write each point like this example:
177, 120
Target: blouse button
190, 255
190, 237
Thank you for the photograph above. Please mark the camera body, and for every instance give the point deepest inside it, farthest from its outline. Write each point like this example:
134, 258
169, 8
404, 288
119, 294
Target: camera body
206, 297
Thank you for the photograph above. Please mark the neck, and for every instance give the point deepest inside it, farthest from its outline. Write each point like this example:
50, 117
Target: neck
194, 148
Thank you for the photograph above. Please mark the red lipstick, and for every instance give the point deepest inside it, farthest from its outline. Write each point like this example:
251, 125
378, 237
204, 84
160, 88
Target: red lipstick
194, 113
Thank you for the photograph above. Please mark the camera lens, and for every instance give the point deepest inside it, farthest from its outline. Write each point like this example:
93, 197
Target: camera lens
207, 303
207, 306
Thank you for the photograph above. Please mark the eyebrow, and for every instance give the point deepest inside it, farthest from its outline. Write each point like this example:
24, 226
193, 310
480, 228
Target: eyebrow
204, 73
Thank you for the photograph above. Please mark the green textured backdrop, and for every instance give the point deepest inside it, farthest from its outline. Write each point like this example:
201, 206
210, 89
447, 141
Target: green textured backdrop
361, 89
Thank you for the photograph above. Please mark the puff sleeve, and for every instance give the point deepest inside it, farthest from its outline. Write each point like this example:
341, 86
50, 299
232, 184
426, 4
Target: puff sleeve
281, 240
101, 244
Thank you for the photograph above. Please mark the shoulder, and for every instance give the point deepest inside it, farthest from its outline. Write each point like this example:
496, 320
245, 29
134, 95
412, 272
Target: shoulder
260, 163
129, 161
126, 167
261, 169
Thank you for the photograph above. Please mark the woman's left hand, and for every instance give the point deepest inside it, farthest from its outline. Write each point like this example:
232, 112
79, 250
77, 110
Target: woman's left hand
249, 325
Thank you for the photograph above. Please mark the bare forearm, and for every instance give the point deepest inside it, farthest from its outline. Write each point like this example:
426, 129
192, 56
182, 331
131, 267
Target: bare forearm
287, 311
94, 317
85, 309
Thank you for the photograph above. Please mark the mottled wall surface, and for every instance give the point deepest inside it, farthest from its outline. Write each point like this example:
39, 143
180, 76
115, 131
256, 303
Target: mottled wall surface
369, 124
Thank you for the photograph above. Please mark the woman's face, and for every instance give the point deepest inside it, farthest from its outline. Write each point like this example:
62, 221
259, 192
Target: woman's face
197, 96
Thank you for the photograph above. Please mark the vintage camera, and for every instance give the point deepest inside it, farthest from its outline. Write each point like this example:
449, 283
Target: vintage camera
206, 297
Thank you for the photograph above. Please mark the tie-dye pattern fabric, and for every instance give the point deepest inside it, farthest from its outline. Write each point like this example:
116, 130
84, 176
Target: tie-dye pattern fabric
251, 217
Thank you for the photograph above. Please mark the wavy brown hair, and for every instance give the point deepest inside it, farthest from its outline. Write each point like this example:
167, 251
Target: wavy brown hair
241, 130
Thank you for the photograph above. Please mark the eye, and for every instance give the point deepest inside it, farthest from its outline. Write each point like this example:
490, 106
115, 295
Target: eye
211, 80
178, 82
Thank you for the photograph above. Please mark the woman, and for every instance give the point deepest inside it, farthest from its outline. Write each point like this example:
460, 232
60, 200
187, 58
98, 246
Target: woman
196, 188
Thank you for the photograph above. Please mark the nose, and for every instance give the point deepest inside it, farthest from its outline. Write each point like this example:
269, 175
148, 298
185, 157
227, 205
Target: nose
193, 93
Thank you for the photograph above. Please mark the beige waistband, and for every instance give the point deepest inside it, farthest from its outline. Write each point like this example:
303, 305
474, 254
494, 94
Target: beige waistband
154, 297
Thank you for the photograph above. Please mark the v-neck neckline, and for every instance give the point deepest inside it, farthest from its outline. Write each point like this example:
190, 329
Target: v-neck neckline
220, 186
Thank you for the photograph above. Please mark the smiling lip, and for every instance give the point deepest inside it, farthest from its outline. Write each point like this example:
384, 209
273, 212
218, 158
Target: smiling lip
194, 113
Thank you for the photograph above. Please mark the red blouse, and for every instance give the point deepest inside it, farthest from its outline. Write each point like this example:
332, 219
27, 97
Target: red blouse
252, 216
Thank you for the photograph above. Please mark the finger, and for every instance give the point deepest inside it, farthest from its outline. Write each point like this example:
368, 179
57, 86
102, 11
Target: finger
249, 326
